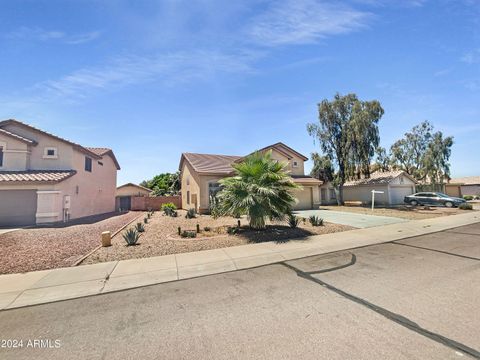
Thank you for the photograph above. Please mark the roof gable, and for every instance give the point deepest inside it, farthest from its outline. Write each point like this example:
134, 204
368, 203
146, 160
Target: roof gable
135, 185
104, 152
17, 137
379, 178
285, 150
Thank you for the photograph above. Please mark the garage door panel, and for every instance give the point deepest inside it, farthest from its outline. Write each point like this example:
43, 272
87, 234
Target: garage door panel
18, 207
398, 194
304, 199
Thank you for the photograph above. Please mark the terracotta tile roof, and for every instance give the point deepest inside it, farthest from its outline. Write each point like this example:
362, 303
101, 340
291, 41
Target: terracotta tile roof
18, 137
305, 179
35, 176
209, 163
378, 178
468, 180
100, 151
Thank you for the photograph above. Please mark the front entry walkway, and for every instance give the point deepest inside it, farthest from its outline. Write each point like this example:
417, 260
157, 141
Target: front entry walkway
351, 219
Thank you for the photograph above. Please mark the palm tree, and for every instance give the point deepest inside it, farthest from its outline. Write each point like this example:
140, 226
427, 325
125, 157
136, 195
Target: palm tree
260, 189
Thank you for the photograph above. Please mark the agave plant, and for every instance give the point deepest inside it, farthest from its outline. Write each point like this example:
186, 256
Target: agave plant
191, 214
140, 227
261, 189
131, 236
315, 220
293, 221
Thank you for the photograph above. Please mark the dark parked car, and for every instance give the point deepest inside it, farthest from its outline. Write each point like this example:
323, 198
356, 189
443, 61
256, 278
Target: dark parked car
433, 199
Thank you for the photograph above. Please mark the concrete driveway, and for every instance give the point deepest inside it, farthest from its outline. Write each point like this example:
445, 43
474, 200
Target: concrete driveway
410, 299
351, 219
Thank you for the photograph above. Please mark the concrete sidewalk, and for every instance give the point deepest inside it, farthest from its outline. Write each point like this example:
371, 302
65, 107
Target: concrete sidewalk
17, 290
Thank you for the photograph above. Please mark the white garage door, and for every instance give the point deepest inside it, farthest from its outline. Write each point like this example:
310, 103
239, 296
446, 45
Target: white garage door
397, 193
304, 199
18, 207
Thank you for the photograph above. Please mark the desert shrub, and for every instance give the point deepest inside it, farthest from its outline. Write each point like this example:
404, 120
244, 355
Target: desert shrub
315, 220
214, 207
169, 209
191, 214
207, 228
131, 236
188, 234
293, 221
145, 220
140, 227
468, 197
232, 230
465, 206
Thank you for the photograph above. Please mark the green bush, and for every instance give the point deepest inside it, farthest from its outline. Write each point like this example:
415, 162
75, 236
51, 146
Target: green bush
466, 206
140, 227
191, 214
232, 230
131, 236
169, 209
188, 234
468, 197
315, 220
293, 221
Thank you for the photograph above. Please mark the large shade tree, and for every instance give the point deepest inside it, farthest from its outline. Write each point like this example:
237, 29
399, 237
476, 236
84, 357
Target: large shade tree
163, 184
423, 154
322, 168
260, 189
348, 134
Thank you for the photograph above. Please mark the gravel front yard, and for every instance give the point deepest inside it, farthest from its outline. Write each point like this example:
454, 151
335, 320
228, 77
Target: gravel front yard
161, 238
59, 246
404, 212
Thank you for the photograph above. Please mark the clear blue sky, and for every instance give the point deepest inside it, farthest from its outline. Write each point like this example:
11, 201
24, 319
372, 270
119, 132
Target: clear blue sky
153, 79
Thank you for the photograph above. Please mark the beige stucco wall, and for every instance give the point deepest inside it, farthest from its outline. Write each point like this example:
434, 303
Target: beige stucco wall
189, 187
130, 190
15, 153
299, 170
37, 161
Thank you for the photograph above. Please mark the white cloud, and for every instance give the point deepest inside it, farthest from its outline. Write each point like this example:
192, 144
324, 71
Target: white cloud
471, 57
169, 69
304, 21
39, 34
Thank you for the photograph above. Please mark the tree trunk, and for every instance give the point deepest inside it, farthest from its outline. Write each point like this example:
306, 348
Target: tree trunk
340, 195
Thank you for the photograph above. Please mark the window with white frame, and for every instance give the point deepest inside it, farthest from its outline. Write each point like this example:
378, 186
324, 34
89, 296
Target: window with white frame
50, 153
295, 164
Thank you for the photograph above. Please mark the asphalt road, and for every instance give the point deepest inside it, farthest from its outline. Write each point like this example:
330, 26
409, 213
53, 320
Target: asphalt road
412, 299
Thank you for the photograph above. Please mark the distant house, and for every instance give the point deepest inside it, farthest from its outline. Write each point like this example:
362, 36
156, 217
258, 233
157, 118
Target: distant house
469, 185
45, 179
394, 184
200, 174
125, 193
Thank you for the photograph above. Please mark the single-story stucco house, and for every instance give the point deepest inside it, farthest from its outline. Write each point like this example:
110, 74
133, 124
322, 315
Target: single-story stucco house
200, 174
469, 185
394, 184
46, 179
125, 193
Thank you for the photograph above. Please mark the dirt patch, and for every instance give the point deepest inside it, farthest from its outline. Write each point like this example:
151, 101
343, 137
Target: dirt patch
60, 245
161, 236
404, 212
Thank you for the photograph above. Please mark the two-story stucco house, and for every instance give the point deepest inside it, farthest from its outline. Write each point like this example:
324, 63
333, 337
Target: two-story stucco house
45, 179
200, 174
